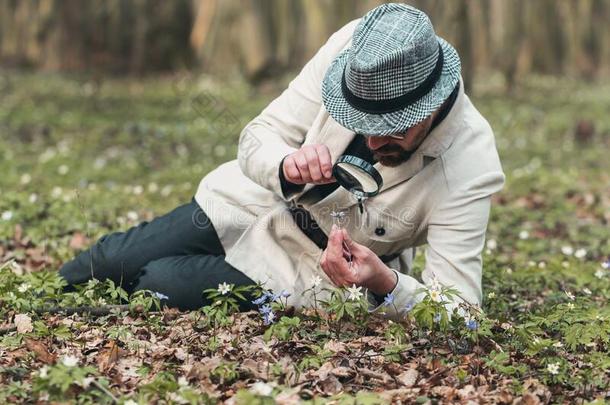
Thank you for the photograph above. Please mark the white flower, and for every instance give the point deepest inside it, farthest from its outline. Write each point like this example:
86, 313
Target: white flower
137, 190
316, 281
354, 292
567, 250
132, 215
565, 264
435, 295
553, 368
25, 178
261, 388
542, 265
558, 345
569, 295
23, 287
69, 361
587, 291
531, 263
153, 187
491, 295
166, 190
492, 244
7, 215
600, 273
524, 235
224, 288
580, 253
130, 402
63, 169
56, 192
536, 340
571, 306
509, 270
606, 265
182, 381
86, 382
435, 284
43, 372
33, 198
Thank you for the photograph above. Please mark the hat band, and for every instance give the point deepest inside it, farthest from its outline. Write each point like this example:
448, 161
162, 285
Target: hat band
397, 103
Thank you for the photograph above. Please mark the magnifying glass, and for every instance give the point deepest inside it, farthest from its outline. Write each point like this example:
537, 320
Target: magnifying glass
357, 176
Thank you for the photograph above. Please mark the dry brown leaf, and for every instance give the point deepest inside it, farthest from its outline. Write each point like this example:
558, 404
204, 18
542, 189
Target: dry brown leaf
528, 399
325, 370
108, 356
258, 369
41, 351
23, 323
408, 378
330, 385
335, 346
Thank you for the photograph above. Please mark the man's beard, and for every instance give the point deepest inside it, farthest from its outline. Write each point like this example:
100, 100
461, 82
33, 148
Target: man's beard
398, 155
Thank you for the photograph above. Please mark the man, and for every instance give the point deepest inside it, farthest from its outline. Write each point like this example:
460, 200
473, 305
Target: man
384, 88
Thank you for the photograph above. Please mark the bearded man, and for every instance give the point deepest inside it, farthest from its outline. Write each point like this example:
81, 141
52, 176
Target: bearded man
384, 88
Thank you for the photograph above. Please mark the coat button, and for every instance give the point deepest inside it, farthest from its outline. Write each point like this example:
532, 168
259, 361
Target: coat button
380, 231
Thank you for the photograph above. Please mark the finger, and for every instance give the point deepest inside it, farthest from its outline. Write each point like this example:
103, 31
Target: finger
335, 245
291, 171
326, 164
350, 243
314, 164
328, 270
301, 162
326, 181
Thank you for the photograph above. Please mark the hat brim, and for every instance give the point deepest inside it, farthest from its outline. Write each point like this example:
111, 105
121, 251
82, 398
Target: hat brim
369, 124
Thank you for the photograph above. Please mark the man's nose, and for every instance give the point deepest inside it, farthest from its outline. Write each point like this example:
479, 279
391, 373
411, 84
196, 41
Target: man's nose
376, 142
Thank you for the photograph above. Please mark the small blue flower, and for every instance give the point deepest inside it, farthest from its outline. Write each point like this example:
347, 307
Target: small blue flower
409, 307
268, 318
437, 318
265, 309
388, 300
472, 324
160, 296
260, 300
285, 294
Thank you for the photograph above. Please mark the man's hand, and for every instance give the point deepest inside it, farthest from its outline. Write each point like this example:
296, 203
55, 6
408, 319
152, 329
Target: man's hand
310, 164
367, 268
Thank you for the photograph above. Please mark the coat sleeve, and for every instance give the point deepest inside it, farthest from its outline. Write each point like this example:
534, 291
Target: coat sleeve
281, 127
456, 236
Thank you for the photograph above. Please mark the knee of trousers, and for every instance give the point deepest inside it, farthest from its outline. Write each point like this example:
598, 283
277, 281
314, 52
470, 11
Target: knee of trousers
96, 262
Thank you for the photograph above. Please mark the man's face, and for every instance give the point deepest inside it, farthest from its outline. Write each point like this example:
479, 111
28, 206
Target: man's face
392, 150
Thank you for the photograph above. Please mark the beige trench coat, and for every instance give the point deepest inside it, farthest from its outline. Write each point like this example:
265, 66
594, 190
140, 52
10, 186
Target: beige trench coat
439, 197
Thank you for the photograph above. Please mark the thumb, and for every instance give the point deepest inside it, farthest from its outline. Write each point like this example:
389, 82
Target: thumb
350, 243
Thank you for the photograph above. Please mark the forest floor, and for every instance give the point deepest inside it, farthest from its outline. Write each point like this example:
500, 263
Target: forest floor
80, 158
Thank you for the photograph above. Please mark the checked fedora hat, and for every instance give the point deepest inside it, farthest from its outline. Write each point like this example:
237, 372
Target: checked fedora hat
395, 74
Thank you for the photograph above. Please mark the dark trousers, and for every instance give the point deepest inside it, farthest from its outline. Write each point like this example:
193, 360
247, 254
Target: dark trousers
177, 254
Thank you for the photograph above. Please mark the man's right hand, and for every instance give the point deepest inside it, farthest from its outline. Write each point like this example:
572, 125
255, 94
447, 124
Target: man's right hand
310, 164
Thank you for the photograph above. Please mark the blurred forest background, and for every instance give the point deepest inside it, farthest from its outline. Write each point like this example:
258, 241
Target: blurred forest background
261, 38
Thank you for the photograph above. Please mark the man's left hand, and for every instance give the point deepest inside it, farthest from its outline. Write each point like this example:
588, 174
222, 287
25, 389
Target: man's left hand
367, 269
